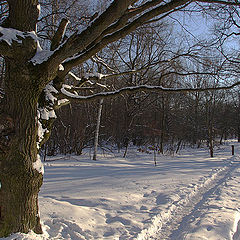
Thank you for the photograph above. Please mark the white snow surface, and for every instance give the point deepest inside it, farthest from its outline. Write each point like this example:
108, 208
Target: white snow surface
41, 56
41, 132
186, 196
9, 35
46, 114
38, 165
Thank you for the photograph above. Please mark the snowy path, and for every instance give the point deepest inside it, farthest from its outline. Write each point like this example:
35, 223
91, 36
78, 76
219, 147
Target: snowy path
189, 196
179, 222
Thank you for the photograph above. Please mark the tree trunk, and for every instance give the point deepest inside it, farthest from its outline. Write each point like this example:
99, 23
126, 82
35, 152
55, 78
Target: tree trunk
97, 130
20, 181
238, 133
210, 137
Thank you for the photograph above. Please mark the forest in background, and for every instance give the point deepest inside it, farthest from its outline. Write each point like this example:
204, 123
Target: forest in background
163, 53
150, 55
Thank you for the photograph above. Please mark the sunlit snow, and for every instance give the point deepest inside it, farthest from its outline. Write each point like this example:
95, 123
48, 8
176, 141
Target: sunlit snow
186, 196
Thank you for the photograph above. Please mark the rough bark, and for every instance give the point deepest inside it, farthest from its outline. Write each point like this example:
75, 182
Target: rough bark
20, 182
23, 14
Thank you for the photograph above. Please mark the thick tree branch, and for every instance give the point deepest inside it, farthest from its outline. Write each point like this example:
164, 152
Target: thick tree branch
123, 32
124, 19
13, 42
80, 47
79, 41
57, 38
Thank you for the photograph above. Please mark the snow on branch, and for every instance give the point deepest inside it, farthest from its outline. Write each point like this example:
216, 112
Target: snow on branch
8, 36
45, 112
99, 76
41, 56
65, 91
97, 59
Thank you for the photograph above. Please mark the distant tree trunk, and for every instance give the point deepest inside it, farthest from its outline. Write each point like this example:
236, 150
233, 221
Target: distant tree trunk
210, 138
178, 145
238, 133
126, 143
238, 118
97, 130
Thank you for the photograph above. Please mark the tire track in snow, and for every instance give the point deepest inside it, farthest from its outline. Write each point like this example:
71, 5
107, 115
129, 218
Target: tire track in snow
172, 223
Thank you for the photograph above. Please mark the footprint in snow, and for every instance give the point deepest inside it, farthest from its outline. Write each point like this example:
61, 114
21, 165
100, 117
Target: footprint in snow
122, 220
142, 208
162, 199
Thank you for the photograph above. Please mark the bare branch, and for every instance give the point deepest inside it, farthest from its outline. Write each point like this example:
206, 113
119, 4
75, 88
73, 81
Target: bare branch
221, 2
134, 89
97, 59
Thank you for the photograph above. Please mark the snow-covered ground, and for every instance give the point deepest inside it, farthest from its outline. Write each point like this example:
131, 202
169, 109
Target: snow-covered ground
187, 196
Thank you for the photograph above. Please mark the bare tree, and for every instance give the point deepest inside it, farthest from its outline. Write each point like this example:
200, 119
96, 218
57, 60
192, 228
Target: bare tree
34, 88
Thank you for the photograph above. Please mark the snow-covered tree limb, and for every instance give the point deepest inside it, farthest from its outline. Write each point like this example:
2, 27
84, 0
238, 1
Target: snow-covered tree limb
97, 59
139, 21
11, 39
115, 23
146, 88
79, 41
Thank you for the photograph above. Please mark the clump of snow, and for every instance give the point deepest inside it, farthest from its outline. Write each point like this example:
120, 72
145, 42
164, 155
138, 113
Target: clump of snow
62, 101
46, 114
9, 35
94, 74
41, 56
61, 68
67, 86
41, 132
49, 90
43, 114
38, 165
39, 8
70, 94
